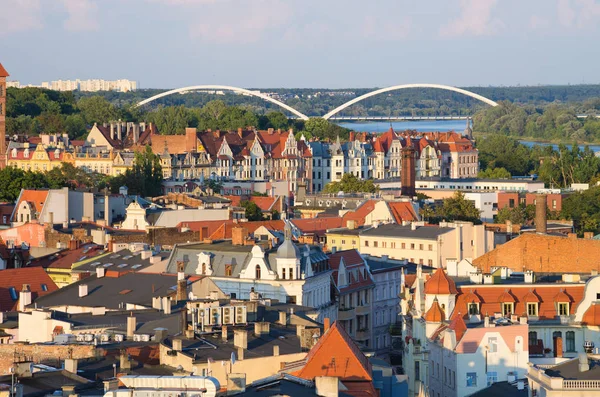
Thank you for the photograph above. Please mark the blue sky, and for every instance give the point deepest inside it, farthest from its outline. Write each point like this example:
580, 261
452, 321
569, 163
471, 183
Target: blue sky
303, 43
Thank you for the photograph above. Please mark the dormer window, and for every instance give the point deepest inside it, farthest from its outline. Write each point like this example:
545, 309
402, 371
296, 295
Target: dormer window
473, 308
563, 308
507, 309
532, 309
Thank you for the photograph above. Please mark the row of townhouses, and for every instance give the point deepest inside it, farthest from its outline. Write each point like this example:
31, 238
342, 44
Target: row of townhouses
251, 155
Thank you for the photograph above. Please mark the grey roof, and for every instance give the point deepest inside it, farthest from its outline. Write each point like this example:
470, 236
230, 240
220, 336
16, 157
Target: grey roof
395, 230
570, 370
111, 292
103, 368
502, 389
121, 260
382, 264
47, 382
202, 349
320, 149
287, 250
171, 218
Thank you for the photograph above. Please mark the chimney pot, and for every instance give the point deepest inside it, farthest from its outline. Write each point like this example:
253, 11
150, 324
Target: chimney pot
540, 214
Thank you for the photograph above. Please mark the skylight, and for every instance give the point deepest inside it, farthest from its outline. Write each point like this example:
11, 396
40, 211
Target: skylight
108, 264
13, 293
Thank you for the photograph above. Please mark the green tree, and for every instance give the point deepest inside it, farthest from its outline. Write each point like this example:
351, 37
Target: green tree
458, 208
277, 120
12, 180
75, 126
144, 178
253, 211
96, 109
494, 173
350, 183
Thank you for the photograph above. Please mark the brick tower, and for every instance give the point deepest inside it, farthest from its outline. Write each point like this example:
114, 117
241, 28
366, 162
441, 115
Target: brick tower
3, 76
408, 172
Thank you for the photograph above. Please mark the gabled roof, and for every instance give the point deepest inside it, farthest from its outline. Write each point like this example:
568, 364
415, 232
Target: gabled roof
35, 197
459, 327
402, 211
359, 214
562, 297
506, 297
356, 279
317, 225
336, 354
440, 284
38, 280
3, 72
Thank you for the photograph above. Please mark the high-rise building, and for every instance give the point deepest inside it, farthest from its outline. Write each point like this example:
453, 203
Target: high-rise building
3, 76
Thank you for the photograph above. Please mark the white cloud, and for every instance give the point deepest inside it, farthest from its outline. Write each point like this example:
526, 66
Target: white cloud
82, 15
19, 16
475, 19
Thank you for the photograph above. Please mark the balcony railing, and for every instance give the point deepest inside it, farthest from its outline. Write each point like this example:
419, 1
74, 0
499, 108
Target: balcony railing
363, 335
581, 384
364, 309
346, 314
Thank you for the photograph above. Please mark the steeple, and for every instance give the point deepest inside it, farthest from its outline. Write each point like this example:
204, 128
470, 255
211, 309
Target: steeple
468, 130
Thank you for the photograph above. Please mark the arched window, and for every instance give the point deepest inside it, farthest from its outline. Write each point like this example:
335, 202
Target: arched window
533, 338
257, 272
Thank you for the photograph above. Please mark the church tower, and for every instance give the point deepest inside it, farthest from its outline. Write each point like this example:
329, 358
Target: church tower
3, 76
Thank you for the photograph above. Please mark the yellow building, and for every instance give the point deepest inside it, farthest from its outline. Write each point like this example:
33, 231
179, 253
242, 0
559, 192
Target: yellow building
343, 239
35, 157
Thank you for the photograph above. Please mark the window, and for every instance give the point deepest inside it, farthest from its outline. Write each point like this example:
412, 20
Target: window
44, 287
257, 272
366, 243
471, 379
532, 338
393, 245
403, 245
228, 270
383, 244
493, 344
375, 243
492, 377
420, 261
563, 309
430, 262
412, 246
430, 247
532, 309
570, 341
417, 370
473, 308
507, 309
283, 273
421, 247
291, 274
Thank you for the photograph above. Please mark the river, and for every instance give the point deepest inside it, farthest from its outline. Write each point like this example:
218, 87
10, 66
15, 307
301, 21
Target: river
432, 125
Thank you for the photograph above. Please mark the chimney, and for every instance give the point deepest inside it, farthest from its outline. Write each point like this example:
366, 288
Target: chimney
166, 304
240, 354
131, 326
351, 137
283, 318
136, 133
327, 386
584, 364
177, 345
68, 390
71, 365
275, 350
486, 321
240, 338
239, 235
262, 328
413, 226
588, 235
181, 290
191, 136
224, 333
270, 131
83, 290
558, 346
407, 173
156, 301
112, 130
24, 297
529, 277
326, 324
540, 213
100, 271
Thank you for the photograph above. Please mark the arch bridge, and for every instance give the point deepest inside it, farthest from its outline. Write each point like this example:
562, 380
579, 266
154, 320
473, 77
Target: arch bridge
331, 113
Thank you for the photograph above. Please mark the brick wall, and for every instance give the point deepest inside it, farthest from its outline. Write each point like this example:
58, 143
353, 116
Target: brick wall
161, 236
53, 237
45, 354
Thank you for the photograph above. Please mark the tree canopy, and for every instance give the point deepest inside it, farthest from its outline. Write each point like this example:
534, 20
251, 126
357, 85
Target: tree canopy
144, 178
350, 183
455, 208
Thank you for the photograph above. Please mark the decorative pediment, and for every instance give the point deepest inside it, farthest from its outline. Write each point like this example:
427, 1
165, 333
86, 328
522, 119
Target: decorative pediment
204, 264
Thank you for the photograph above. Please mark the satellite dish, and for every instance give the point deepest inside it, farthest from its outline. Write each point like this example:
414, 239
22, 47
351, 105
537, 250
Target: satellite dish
232, 358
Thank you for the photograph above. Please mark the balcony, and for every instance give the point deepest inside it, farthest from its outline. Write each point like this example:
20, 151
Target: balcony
346, 314
363, 334
362, 310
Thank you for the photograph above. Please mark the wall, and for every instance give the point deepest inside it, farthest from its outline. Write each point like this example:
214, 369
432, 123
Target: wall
51, 354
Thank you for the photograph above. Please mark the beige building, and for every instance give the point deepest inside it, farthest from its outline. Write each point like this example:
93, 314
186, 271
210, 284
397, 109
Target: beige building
573, 378
427, 245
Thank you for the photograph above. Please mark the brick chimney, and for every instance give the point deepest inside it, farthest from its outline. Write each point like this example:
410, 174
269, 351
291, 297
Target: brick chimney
540, 213
190, 139
239, 235
408, 174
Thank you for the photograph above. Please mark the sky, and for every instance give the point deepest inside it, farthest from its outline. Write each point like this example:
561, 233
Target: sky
302, 43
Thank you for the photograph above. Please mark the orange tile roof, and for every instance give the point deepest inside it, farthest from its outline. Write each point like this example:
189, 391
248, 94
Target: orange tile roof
491, 298
359, 214
224, 231
459, 327
3, 72
435, 314
317, 225
440, 284
35, 197
66, 258
592, 315
543, 254
402, 211
264, 203
336, 354
36, 277
506, 297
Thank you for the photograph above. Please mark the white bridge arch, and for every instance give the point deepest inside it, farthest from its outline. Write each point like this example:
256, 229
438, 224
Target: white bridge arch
225, 88
400, 87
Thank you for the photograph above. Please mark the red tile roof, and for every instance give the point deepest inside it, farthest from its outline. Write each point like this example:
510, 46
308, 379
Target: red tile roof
264, 203
317, 225
336, 354
459, 327
592, 315
35, 197
224, 231
491, 298
3, 72
435, 314
402, 211
352, 260
543, 254
359, 214
440, 284
66, 258
36, 277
